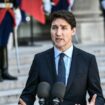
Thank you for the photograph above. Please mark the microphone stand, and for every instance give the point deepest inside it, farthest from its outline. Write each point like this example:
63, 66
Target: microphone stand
42, 101
56, 101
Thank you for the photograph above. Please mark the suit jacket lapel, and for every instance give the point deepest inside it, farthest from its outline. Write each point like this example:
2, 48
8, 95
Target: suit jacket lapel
51, 63
73, 68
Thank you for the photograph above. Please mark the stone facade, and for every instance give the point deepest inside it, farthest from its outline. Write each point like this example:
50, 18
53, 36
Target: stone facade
90, 23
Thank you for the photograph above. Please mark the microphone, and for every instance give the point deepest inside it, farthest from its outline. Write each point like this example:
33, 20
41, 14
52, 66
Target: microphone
43, 92
58, 92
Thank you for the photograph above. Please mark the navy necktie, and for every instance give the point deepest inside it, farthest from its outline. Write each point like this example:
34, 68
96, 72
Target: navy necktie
61, 69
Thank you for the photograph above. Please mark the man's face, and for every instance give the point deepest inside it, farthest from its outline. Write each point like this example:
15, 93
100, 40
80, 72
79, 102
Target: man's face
61, 34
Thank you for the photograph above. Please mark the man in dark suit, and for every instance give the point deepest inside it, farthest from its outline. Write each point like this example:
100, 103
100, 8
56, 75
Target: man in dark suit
81, 73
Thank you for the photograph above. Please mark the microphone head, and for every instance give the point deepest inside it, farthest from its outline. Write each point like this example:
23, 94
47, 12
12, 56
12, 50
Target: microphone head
43, 90
58, 90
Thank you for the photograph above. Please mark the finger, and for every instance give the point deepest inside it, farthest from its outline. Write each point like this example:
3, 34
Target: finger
93, 100
21, 102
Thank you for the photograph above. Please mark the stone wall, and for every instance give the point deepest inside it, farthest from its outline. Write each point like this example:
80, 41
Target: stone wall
90, 23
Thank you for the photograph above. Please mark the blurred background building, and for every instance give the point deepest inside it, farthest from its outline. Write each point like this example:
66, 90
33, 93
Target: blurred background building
90, 25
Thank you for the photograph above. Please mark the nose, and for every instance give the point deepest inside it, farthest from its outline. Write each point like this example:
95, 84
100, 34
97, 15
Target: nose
58, 32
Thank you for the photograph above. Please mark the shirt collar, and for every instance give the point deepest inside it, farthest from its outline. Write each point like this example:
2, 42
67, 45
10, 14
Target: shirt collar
68, 52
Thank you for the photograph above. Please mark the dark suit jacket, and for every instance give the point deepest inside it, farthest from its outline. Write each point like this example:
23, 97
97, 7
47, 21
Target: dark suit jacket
83, 77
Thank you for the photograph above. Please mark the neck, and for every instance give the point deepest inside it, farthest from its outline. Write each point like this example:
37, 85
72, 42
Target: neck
65, 48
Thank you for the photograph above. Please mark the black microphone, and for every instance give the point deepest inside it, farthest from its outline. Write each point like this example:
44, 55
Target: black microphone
58, 92
43, 92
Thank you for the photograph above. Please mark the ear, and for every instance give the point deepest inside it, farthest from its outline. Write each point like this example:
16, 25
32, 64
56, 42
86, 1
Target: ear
73, 31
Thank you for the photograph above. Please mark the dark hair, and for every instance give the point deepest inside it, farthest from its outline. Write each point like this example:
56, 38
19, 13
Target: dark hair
66, 15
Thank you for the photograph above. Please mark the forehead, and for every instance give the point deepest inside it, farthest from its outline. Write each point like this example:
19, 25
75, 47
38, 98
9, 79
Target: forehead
59, 21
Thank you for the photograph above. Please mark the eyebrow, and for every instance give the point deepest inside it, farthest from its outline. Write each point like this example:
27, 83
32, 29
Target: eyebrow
60, 25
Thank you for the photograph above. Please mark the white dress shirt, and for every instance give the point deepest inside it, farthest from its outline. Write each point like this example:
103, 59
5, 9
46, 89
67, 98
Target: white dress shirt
67, 59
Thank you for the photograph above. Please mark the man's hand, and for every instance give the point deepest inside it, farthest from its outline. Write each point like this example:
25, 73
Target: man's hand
92, 102
21, 102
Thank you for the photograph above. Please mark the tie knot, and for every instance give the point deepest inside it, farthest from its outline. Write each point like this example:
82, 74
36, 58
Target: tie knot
62, 55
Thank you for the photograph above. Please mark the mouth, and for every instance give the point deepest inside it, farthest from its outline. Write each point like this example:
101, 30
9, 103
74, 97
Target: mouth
59, 39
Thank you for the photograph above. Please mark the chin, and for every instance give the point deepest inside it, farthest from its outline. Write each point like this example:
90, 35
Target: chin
59, 46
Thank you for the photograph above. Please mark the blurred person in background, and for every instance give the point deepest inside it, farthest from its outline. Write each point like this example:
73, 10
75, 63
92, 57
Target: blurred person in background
54, 5
62, 5
7, 23
102, 6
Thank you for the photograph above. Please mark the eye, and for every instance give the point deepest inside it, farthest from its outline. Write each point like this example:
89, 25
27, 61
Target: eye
64, 28
54, 27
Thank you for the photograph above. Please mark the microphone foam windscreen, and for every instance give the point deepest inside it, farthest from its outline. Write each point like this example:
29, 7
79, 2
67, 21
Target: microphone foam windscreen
43, 90
58, 90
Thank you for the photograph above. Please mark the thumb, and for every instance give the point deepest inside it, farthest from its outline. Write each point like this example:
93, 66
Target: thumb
93, 100
21, 102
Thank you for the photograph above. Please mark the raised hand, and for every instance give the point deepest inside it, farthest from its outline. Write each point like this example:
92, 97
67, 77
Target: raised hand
92, 102
21, 102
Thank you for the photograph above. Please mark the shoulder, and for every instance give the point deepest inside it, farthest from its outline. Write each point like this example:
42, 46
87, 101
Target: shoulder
45, 53
84, 54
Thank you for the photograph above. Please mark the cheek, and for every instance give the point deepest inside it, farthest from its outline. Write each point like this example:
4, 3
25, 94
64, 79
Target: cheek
52, 33
68, 38
52, 36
